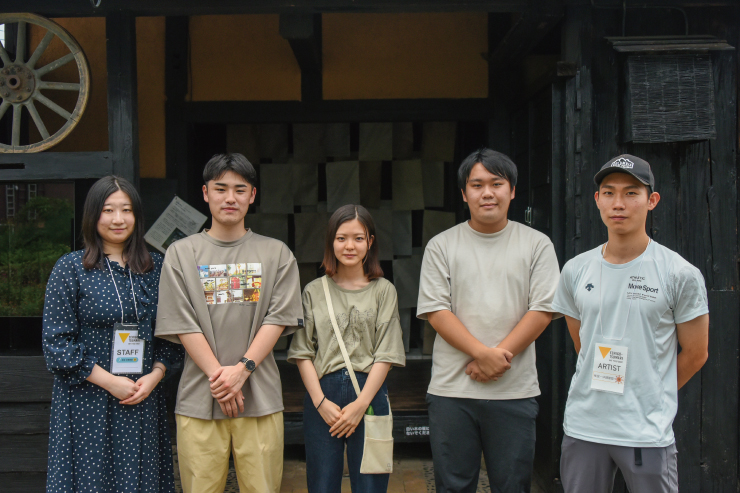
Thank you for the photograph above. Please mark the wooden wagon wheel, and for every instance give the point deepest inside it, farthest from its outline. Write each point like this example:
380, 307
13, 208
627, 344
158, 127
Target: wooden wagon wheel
21, 83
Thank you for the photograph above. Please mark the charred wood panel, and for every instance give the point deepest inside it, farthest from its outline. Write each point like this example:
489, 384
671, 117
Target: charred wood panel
23, 482
24, 379
24, 418
23, 453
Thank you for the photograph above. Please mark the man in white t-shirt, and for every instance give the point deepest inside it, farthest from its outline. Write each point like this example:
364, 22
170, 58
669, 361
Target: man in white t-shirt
486, 287
628, 303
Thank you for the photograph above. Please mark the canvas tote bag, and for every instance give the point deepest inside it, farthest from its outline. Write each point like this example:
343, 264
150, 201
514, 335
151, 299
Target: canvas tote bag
377, 454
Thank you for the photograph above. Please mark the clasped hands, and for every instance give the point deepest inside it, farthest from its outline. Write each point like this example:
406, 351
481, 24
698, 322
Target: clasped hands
226, 388
342, 421
491, 364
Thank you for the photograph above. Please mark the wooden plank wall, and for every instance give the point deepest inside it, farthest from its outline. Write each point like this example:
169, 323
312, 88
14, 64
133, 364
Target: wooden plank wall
697, 217
25, 397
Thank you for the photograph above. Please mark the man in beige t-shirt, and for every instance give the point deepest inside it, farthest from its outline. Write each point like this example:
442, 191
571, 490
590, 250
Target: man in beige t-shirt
486, 287
228, 294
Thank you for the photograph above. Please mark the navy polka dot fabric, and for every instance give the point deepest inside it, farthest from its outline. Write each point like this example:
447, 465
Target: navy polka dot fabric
95, 443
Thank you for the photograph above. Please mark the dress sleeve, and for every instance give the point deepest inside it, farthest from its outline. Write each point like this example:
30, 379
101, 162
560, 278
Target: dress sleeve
65, 355
168, 353
304, 343
388, 332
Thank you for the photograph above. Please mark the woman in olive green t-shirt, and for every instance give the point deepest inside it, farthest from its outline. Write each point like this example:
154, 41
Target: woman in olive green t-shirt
366, 309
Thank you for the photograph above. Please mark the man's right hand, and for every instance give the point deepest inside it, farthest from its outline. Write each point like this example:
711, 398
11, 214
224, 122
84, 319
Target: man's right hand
493, 362
233, 407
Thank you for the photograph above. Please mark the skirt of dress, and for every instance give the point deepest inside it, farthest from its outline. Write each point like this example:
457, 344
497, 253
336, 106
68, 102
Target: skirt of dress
98, 445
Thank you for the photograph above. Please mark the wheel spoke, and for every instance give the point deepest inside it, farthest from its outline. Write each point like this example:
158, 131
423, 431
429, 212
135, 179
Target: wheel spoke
52, 106
61, 86
37, 119
55, 64
16, 136
40, 49
20, 46
4, 56
3, 108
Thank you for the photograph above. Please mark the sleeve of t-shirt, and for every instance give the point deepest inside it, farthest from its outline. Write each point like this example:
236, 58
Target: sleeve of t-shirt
689, 294
544, 275
175, 311
435, 292
304, 343
285, 306
388, 332
564, 302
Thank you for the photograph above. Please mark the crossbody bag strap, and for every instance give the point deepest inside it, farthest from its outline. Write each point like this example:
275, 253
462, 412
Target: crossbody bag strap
338, 334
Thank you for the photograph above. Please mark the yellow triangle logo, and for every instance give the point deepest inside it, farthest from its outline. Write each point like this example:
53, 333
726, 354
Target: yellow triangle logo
604, 351
124, 336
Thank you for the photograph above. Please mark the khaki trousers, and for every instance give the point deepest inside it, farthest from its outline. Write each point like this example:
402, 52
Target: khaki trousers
203, 448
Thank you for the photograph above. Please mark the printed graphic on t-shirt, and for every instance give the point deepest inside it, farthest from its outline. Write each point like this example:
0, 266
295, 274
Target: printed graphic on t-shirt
638, 289
231, 283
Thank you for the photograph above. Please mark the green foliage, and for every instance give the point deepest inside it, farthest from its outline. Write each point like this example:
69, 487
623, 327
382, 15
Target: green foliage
29, 248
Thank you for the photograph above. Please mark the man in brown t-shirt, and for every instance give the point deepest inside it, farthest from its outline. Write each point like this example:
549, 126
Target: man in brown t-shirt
228, 294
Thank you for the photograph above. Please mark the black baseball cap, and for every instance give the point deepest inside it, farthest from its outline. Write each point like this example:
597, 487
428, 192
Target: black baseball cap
632, 165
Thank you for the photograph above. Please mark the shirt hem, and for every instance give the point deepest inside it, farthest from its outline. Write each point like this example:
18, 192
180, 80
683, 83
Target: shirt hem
619, 443
210, 417
476, 394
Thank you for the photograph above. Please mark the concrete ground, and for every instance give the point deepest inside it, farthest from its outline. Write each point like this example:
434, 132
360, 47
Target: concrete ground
413, 472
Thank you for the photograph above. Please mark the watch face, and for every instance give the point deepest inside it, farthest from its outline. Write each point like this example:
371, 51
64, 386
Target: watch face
250, 365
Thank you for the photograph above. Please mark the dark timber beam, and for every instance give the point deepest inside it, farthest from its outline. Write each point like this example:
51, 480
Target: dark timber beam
55, 165
533, 24
176, 88
123, 123
303, 32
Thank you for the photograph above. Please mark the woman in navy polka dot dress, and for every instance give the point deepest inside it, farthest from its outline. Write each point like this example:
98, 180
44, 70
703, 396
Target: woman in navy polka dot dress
109, 433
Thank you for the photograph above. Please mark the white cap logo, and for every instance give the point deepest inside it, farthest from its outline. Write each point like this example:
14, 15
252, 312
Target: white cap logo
623, 163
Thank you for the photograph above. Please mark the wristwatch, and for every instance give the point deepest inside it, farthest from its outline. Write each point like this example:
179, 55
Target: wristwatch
249, 364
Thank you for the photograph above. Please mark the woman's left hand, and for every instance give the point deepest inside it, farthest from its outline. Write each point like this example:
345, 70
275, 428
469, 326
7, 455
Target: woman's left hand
349, 420
145, 386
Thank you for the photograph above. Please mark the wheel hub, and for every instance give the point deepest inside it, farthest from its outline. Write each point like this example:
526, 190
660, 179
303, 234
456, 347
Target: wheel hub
17, 83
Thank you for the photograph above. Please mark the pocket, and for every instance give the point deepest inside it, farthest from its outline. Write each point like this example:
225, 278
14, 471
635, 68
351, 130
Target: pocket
377, 456
378, 427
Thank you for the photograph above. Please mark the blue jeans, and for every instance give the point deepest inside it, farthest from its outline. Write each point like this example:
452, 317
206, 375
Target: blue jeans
325, 454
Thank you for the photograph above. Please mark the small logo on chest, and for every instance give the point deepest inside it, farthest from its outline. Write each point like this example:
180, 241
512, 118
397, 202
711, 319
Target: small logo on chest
589, 287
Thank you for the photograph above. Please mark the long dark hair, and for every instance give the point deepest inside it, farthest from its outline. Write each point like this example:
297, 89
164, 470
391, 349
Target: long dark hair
370, 264
134, 251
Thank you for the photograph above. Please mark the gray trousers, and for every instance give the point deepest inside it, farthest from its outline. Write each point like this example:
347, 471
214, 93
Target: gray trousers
588, 467
460, 429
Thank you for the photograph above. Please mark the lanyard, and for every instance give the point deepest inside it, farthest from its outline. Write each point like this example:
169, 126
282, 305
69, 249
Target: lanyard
629, 309
131, 280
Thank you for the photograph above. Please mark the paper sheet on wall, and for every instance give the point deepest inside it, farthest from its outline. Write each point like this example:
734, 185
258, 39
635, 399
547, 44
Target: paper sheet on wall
438, 141
406, 273
308, 142
433, 175
408, 191
403, 140
342, 184
336, 140
310, 232
404, 316
305, 182
434, 223
275, 189
402, 232
376, 141
244, 139
179, 220
274, 141
370, 183
270, 225
383, 220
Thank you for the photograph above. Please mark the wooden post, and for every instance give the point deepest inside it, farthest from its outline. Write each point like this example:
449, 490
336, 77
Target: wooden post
123, 124
176, 89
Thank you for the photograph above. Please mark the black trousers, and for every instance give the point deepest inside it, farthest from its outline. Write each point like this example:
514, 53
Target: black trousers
504, 431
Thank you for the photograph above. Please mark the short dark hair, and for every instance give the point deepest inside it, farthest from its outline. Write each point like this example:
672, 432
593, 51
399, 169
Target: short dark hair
371, 263
134, 251
221, 163
495, 162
